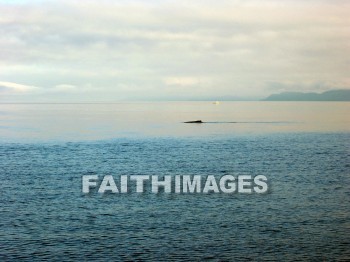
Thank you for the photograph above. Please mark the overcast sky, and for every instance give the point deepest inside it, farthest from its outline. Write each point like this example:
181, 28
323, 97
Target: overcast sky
65, 51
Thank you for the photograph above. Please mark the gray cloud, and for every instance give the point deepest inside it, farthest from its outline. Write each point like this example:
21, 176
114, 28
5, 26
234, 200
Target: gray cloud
173, 49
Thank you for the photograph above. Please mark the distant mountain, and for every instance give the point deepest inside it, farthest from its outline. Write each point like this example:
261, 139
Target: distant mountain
333, 95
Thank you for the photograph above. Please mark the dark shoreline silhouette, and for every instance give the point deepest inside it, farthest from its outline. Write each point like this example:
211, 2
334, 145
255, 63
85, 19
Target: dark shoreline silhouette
332, 95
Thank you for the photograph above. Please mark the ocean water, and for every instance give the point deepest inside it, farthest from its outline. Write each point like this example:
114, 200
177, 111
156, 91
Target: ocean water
302, 148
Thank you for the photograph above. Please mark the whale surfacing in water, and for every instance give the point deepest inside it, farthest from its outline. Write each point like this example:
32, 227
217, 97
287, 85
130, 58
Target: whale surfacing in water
194, 122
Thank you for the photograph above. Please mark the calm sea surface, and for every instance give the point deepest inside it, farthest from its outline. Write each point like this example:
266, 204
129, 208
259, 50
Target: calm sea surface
303, 148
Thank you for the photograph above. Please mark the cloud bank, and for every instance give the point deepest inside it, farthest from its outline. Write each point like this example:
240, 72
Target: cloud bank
135, 50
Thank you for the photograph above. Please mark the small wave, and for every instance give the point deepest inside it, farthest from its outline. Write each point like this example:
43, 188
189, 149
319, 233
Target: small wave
247, 122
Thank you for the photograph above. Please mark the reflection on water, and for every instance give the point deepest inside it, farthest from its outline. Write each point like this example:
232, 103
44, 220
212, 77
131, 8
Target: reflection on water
103, 121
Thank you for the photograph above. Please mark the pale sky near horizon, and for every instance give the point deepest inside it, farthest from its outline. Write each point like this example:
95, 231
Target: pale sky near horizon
92, 51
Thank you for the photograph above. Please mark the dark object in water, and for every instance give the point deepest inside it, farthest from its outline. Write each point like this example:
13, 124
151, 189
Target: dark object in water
194, 122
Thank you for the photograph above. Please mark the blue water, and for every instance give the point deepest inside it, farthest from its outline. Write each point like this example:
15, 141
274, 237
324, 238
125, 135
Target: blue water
304, 216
